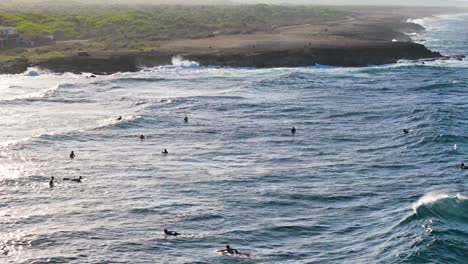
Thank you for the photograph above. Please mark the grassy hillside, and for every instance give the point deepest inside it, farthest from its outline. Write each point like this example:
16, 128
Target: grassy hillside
162, 22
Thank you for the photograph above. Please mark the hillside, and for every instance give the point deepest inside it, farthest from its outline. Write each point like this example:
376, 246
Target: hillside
109, 24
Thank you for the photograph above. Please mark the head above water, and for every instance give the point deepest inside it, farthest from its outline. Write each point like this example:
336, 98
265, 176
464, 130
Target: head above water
228, 247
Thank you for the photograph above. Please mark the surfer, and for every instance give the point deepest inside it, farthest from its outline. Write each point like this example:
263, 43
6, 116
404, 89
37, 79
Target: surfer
165, 152
405, 131
233, 251
120, 118
72, 155
170, 233
186, 119
142, 137
73, 180
51, 182
77, 180
293, 130
463, 166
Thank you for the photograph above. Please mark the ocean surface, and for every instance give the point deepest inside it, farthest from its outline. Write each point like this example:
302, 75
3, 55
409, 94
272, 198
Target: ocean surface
348, 187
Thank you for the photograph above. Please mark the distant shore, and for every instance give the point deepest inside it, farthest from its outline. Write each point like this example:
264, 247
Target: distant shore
363, 39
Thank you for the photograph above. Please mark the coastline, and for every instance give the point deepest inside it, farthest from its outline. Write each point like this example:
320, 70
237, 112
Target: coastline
358, 41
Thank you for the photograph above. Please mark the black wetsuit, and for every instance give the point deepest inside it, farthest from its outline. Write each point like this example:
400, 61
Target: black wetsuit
171, 233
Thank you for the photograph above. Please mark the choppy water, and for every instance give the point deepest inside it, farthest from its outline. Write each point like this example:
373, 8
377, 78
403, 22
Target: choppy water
348, 187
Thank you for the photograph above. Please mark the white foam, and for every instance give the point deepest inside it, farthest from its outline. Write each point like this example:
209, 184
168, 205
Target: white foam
32, 71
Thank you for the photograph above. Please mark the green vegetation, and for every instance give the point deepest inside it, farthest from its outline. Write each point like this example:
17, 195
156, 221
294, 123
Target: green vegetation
164, 22
117, 28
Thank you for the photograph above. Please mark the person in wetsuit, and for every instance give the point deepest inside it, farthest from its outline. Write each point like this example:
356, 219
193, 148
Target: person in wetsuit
73, 180
233, 251
293, 130
165, 152
77, 180
72, 155
170, 233
51, 182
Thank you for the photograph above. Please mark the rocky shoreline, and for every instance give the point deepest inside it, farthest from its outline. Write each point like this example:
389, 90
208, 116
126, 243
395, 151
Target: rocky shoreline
361, 43
384, 53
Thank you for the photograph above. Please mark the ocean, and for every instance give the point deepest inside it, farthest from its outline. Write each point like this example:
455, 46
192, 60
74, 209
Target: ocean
347, 187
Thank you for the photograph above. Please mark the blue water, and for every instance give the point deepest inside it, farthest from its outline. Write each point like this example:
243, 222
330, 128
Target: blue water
348, 187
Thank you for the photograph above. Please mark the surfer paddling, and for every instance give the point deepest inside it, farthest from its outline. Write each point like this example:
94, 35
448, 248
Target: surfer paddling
74, 180
232, 251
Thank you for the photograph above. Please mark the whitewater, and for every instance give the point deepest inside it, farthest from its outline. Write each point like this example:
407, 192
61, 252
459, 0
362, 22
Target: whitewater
347, 187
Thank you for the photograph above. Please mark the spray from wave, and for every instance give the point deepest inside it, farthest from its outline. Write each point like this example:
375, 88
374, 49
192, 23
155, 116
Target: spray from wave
178, 61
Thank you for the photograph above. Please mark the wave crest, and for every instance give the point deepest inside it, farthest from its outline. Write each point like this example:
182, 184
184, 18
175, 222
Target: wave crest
453, 207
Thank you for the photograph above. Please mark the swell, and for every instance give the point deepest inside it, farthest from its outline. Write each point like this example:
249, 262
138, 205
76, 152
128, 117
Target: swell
435, 232
453, 208
46, 95
132, 80
129, 122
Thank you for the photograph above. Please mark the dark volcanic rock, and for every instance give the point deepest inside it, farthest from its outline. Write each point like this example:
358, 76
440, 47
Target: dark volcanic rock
354, 56
14, 66
79, 64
